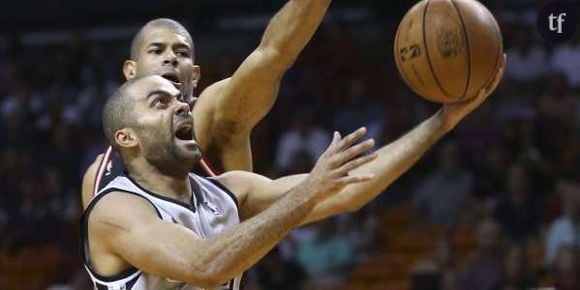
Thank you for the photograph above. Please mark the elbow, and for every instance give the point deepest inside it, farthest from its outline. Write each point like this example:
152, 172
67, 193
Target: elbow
287, 60
213, 277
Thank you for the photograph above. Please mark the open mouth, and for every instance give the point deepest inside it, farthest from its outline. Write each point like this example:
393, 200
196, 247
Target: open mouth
184, 131
172, 77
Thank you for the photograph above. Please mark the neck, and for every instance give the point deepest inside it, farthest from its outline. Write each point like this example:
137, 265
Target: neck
175, 184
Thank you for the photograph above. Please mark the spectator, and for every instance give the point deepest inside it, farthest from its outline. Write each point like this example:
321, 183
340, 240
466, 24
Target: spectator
328, 257
556, 119
484, 271
449, 279
442, 194
302, 136
565, 269
276, 273
565, 230
515, 270
566, 59
527, 61
491, 178
359, 110
518, 212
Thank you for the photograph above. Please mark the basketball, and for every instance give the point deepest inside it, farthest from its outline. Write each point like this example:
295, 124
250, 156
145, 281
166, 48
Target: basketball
447, 50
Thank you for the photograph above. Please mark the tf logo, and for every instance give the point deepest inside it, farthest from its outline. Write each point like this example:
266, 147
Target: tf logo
557, 22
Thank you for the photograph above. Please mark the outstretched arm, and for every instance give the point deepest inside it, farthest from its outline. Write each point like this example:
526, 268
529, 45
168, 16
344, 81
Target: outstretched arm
392, 161
227, 111
396, 158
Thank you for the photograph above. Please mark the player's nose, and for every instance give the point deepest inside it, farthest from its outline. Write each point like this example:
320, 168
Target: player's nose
170, 59
182, 109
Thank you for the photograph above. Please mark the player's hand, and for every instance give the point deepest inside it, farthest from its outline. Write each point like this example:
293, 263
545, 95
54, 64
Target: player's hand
453, 113
331, 172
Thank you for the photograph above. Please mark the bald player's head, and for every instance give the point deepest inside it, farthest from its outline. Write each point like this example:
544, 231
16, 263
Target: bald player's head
163, 23
145, 120
117, 112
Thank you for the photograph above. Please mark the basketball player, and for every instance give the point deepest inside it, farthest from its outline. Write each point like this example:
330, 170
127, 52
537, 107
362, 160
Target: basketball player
160, 227
227, 110
159, 224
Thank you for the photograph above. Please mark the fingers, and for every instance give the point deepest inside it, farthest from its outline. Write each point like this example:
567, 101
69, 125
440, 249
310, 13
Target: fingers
498, 75
352, 138
352, 152
354, 164
335, 137
484, 92
333, 145
338, 144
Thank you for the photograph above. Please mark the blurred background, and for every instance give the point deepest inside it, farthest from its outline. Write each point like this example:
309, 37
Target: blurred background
494, 205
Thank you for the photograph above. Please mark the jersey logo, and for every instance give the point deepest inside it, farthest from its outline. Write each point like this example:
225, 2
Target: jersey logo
214, 209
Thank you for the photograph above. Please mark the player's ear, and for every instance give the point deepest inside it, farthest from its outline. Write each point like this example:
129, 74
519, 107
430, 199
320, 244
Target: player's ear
195, 75
126, 138
129, 69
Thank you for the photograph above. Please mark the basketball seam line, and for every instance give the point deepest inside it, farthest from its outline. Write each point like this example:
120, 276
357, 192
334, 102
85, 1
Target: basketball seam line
399, 66
499, 40
464, 28
402, 68
428, 57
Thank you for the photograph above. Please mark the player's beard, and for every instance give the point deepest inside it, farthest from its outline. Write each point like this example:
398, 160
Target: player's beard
164, 154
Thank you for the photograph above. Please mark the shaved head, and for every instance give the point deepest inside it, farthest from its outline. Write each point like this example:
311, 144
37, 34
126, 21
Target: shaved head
165, 23
144, 119
117, 113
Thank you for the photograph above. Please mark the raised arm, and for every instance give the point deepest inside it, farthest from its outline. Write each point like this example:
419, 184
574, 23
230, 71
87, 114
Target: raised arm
396, 158
229, 109
392, 161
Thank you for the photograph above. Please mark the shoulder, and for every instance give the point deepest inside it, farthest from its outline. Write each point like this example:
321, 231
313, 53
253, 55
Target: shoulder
240, 183
118, 210
210, 96
215, 88
236, 180
88, 185
92, 169
239, 179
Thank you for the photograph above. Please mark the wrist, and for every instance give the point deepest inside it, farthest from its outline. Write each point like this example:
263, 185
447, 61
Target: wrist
443, 121
304, 195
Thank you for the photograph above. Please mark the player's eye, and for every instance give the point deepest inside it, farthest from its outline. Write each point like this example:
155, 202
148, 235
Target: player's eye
183, 53
160, 102
155, 51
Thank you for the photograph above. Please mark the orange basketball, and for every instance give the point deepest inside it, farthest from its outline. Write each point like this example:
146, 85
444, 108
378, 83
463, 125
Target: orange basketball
446, 50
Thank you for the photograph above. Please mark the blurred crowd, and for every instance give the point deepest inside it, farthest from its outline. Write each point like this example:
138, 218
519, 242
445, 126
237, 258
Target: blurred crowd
507, 178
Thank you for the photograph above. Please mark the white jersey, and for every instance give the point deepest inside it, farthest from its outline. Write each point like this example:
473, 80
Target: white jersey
212, 209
